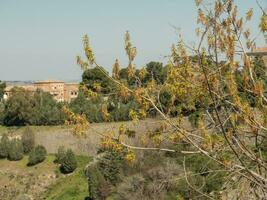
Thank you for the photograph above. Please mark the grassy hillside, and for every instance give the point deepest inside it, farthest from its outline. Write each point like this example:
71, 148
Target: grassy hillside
70, 187
42, 181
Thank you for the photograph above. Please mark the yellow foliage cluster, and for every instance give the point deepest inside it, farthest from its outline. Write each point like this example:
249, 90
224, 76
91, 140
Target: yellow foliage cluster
79, 122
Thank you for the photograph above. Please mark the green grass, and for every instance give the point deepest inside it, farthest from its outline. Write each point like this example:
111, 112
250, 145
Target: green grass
70, 187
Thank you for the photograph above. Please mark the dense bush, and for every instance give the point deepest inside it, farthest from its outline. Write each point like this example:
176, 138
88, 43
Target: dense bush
15, 150
37, 155
110, 165
60, 155
28, 140
69, 162
98, 187
4, 144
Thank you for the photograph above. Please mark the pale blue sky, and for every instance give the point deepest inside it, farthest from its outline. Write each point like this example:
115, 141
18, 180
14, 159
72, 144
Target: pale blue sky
40, 39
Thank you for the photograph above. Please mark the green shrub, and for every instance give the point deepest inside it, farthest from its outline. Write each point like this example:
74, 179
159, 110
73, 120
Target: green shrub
4, 144
60, 155
15, 150
110, 165
37, 155
69, 162
28, 140
98, 187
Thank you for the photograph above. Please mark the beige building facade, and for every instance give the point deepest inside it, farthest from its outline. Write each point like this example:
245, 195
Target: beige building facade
61, 91
260, 51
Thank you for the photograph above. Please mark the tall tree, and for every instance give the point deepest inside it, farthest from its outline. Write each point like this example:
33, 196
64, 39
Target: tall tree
231, 133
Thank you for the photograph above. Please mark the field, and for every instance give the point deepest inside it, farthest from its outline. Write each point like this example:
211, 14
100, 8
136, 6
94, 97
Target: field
42, 181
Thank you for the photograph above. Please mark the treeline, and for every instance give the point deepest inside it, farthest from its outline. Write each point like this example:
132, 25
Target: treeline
100, 99
39, 108
27, 108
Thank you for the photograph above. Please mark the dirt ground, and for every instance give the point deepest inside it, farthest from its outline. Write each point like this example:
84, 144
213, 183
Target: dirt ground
21, 182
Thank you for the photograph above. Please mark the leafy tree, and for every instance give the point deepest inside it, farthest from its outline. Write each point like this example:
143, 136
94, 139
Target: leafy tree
88, 106
48, 111
69, 162
95, 81
155, 70
231, 123
4, 145
37, 155
28, 140
15, 150
18, 108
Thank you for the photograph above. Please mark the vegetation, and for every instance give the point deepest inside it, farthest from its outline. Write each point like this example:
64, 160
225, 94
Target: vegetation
37, 155
217, 85
4, 146
15, 150
69, 162
28, 140
73, 186
22, 179
25, 108
97, 185
60, 155
2, 88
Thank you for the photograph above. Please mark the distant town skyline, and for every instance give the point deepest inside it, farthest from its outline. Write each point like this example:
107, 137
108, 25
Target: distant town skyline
40, 39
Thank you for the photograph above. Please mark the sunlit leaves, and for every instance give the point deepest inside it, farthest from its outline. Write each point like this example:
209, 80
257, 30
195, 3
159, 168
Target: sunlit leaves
130, 157
105, 113
123, 92
142, 73
89, 93
134, 116
263, 23
198, 2
130, 50
116, 69
201, 17
109, 143
131, 71
249, 14
84, 65
88, 50
79, 122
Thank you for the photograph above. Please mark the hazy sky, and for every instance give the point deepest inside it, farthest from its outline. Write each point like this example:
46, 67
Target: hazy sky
40, 39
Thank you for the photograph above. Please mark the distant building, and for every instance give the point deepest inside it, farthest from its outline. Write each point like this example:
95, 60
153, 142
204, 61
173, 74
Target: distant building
261, 51
61, 91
